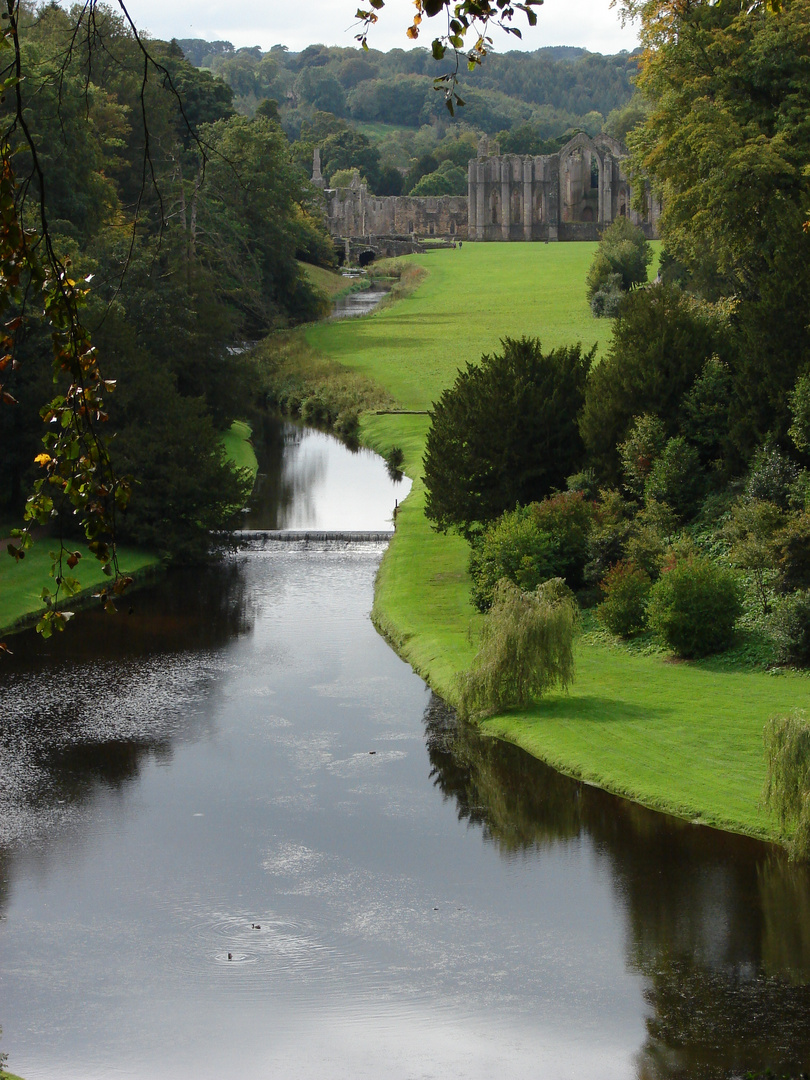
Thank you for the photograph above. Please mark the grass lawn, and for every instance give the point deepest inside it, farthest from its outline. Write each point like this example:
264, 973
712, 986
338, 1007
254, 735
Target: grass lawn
681, 737
239, 448
21, 583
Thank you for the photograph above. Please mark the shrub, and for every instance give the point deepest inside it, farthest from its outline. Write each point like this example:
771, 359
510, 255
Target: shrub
790, 629
347, 425
650, 537
527, 647
694, 605
644, 444
626, 590
676, 478
772, 477
799, 430
705, 410
793, 553
511, 548
621, 259
751, 529
787, 786
609, 534
395, 459
531, 544
605, 301
504, 433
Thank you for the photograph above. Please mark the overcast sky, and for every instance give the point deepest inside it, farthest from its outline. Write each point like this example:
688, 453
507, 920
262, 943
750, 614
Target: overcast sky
591, 24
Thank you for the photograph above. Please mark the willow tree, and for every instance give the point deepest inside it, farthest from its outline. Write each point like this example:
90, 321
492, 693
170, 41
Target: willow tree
527, 647
787, 787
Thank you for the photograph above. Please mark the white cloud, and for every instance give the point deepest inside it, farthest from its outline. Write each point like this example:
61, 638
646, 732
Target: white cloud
591, 24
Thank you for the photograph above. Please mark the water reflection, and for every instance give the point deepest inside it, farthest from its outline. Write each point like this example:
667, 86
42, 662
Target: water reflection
242, 766
86, 710
718, 925
309, 480
359, 303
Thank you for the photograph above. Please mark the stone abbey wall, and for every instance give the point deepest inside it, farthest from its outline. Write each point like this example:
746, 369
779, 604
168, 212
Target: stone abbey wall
571, 195
354, 212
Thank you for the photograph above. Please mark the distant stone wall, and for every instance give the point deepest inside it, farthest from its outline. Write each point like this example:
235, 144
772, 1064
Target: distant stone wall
354, 212
572, 195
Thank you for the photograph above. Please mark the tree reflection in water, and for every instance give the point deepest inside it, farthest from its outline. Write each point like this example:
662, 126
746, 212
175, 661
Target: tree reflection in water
718, 924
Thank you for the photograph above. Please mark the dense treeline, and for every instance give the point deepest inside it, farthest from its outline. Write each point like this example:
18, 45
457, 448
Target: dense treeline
189, 217
530, 100
684, 510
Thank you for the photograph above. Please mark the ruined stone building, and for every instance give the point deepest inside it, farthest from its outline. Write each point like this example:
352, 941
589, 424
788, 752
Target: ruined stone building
570, 195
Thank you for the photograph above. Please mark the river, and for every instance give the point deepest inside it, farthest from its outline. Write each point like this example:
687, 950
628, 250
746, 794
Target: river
239, 837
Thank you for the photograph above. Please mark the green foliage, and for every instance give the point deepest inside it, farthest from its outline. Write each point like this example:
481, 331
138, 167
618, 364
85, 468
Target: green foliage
752, 530
526, 648
694, 605
676, 478
792, 552
730, 162
650, 536
662, 338
787, 787
607, 296
611, 528
448, 179
772, 476
800, 411
504, 433
626, 591
620, 122
530, 544
790, 628
644, 444
435, 183
705, 411
624, 253
516, 547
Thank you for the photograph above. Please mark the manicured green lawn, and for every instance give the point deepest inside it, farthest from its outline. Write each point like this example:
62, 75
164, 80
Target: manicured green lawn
680, 737
475, 295
21, 582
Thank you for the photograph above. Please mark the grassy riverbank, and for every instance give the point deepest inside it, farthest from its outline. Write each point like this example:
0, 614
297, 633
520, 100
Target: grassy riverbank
239, 448
21, 583
680, 737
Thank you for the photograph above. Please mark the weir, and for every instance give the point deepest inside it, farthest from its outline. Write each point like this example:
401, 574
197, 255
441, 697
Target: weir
318, 536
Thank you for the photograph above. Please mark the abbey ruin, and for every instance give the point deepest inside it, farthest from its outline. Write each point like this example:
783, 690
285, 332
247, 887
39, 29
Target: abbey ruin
570, 195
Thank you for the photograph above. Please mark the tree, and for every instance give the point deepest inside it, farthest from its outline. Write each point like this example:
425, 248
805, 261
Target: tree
726, 145
661, 341
787, 787
466, 20
624, 253
527, 647
504, 433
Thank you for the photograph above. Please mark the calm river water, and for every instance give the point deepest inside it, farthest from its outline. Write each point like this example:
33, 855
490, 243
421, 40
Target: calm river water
240, 838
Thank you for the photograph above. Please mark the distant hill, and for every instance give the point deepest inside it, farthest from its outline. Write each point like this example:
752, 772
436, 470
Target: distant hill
556, 88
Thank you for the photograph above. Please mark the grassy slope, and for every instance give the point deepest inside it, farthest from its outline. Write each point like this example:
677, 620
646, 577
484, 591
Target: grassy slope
21, 583
239, 448
330, 283
680, 737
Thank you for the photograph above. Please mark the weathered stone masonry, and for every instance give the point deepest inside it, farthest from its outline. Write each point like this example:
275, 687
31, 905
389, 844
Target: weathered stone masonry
571, 195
